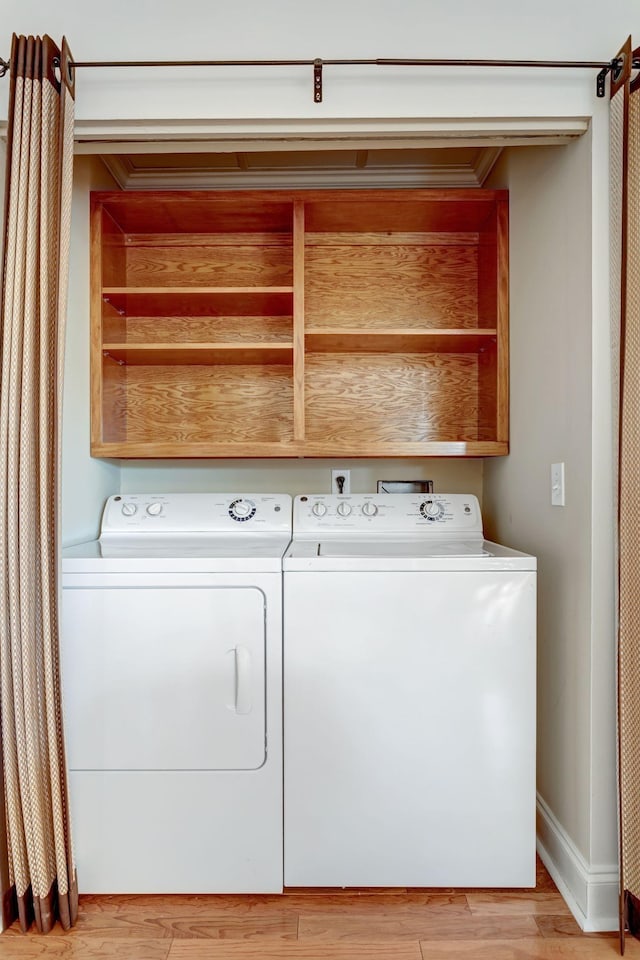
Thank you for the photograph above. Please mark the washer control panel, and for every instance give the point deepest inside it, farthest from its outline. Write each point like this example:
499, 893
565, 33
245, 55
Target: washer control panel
194, 513
451, 515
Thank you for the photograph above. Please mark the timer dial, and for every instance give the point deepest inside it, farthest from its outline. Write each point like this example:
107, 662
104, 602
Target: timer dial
154, 509
343, 509
129, 509
369, 508
241, 510
319, 509
431, 509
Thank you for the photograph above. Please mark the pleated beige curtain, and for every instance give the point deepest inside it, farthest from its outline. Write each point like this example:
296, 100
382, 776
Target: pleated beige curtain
625, 311
36, 863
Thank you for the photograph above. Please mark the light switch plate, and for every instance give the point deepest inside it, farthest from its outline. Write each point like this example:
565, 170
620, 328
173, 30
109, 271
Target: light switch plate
557, 485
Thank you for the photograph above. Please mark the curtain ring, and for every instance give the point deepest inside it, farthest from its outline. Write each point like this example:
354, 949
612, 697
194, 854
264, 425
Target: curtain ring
68, 69
617, 66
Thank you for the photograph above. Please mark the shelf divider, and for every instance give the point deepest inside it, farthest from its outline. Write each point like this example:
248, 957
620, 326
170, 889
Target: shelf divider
298, 321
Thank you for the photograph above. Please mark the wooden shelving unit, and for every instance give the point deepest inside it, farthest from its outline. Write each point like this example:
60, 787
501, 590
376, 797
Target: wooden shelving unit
303, 323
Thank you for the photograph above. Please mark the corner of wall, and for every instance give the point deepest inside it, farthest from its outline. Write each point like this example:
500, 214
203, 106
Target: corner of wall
589, 890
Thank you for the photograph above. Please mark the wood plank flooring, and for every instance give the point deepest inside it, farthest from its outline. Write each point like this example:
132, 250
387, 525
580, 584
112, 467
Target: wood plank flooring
303, 924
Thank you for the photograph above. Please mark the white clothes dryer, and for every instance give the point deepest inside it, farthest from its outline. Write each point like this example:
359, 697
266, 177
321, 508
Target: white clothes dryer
409, 696
171, 669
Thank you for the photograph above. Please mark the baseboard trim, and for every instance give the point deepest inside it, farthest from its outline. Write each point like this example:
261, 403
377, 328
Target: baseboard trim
590, 892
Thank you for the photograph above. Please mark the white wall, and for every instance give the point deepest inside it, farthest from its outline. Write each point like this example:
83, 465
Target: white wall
296, 476
553, 393
199, 29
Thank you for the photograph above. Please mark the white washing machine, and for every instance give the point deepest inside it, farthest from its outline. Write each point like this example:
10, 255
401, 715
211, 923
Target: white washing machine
409, 696
171, 669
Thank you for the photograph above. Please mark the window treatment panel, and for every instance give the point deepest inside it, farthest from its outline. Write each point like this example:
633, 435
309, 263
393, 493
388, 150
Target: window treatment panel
37, 858
625, 303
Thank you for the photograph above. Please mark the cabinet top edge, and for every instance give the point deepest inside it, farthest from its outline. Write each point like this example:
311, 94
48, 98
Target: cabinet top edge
478, 194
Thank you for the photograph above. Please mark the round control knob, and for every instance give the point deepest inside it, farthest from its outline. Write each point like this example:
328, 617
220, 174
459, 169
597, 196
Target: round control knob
369, 508
242, 510
129, 509
319, 509
154, 509
344, 509
431, 509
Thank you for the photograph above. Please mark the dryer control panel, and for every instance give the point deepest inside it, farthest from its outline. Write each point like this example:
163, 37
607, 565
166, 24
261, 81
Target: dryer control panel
453, 515
194, 513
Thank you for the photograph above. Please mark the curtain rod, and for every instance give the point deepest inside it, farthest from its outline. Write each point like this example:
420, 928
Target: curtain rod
614, 66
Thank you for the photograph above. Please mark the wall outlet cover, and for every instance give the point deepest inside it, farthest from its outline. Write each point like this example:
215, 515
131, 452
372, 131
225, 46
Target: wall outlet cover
340, 485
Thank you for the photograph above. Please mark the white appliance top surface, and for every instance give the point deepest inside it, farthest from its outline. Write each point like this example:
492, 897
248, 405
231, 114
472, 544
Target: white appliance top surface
200, 532
407, 548
395, 532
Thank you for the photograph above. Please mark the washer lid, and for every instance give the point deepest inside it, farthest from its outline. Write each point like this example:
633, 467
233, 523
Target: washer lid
407, 548
364, 555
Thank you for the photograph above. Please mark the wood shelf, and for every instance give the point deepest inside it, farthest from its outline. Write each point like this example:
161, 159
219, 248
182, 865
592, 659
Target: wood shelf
166, 354
198, 301
399, 340
191, 290
299, 323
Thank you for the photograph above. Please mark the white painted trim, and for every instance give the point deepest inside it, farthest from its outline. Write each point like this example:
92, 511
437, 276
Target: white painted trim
312, 177
118, 136
591, 892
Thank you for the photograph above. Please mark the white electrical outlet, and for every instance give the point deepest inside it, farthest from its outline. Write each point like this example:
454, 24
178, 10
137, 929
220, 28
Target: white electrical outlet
557, 484
341, 486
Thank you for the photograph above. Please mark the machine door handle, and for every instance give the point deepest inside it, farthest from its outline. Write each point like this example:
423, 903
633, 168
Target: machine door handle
243, 680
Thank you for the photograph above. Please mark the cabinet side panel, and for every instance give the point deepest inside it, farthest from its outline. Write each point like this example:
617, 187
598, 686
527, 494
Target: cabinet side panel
487, 393
493, 293
502, 413
107, 267
113, 420
114, 265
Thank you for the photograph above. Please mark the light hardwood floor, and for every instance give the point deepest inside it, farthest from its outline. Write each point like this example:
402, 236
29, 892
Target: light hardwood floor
325, 925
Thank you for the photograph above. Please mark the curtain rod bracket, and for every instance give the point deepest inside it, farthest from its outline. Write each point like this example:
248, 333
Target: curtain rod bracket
601, 79
614, 68
317, 80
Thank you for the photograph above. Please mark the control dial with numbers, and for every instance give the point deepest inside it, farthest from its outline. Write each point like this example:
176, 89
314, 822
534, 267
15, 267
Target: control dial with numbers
432, 509
369, 508
154, 509
129, 509
343, 509
241, 510
319, 509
